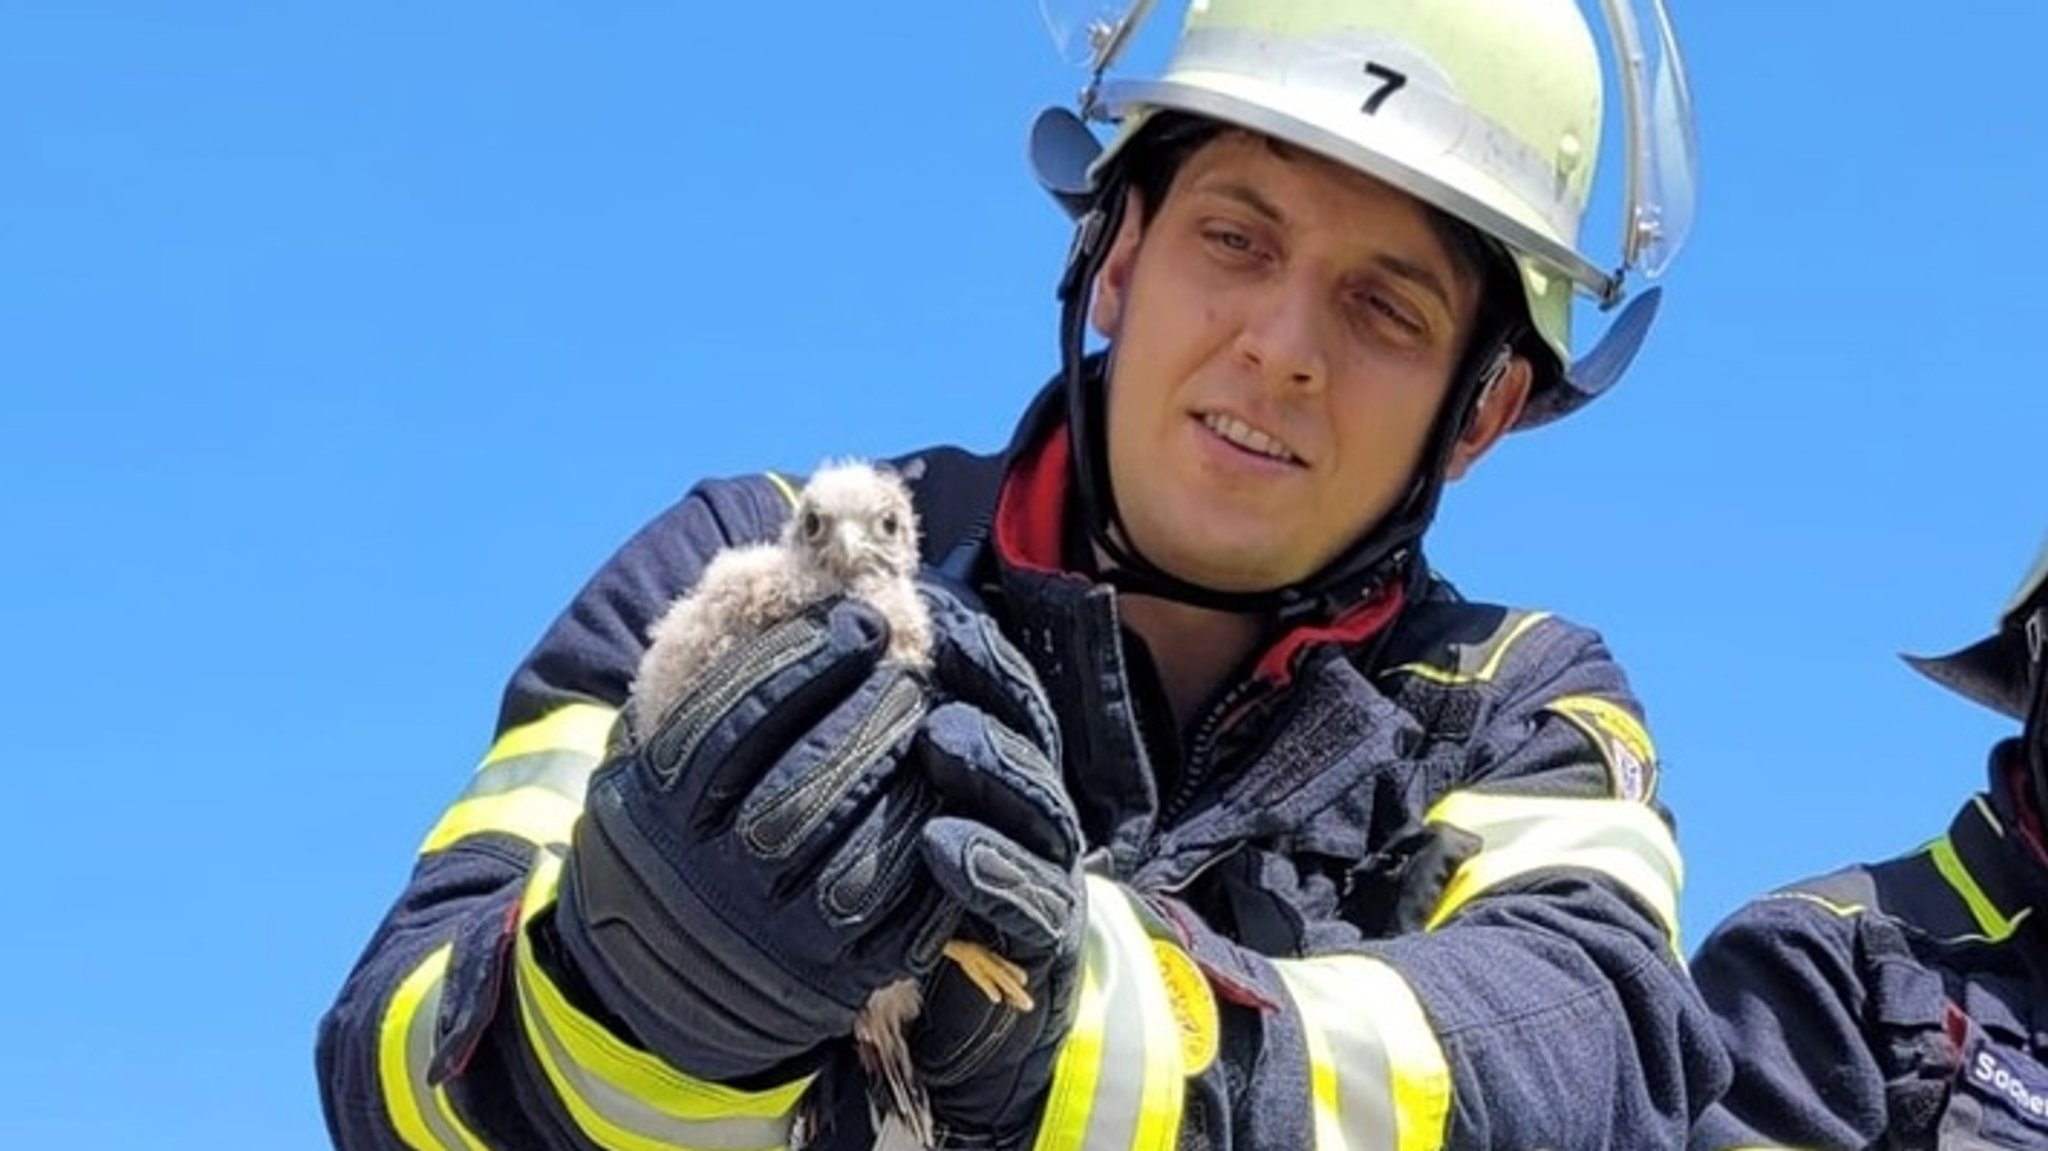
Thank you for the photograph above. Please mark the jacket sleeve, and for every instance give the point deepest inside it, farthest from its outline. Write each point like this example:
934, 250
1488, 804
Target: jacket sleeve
1544, 1003
1783, 980
457, 1029
1551, 972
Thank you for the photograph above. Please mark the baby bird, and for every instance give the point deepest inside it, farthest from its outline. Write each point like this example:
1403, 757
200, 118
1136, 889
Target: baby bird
853, 532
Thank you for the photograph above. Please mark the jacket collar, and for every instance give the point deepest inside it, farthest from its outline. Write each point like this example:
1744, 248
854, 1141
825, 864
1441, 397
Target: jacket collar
1030, 533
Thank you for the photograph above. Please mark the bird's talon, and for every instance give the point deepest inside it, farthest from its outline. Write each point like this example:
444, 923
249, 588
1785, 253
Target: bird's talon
998, 978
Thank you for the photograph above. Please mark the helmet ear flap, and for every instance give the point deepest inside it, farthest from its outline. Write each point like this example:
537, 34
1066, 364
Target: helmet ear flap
1592, 374
1062, 150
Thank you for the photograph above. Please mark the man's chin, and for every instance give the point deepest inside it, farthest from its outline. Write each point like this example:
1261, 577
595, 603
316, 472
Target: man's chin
1213, 564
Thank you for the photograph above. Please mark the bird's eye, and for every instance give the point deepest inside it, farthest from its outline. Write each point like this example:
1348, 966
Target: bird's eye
889, 524
814, 525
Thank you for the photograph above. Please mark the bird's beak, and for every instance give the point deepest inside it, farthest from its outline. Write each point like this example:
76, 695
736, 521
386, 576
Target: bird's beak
846, 540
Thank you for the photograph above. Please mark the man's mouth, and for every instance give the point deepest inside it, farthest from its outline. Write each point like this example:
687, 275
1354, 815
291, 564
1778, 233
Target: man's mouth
1251, 439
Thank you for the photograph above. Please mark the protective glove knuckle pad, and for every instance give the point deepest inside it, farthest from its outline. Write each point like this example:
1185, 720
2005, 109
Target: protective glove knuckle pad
736, 677
834, 770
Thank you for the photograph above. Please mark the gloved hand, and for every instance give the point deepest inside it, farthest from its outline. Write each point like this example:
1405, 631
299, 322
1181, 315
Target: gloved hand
741, 882
1007, 846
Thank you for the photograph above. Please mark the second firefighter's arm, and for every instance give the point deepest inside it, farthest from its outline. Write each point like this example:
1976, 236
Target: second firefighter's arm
1783, 978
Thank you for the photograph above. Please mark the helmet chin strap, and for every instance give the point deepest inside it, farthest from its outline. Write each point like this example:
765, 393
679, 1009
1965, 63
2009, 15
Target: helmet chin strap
1384, 553
2034, 735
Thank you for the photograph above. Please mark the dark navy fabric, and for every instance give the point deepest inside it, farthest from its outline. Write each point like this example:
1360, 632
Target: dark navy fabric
1891, 1004
1563, 1014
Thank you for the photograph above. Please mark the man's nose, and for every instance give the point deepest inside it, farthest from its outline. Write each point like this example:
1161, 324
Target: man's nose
1282, 338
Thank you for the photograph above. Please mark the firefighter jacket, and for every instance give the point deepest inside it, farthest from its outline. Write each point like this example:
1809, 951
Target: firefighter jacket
1408, 886
1898, 1004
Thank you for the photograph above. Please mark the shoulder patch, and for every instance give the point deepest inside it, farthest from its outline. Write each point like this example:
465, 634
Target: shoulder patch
1623, 742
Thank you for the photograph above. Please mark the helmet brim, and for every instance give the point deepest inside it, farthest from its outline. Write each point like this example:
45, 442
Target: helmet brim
1991, 672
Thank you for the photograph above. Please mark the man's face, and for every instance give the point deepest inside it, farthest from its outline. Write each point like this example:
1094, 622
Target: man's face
1284, 331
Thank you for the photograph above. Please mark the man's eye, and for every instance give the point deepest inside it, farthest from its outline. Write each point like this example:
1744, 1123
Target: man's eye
1229, 239
1388, 311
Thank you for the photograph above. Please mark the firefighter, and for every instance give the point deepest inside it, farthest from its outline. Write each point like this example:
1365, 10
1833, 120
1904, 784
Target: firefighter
1296, 846
1900, 1003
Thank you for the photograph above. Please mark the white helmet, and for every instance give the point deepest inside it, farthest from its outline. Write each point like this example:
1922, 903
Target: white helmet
1489, 110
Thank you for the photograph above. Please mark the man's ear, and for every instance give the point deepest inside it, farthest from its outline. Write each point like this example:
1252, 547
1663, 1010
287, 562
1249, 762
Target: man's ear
1113, 281
1496, 410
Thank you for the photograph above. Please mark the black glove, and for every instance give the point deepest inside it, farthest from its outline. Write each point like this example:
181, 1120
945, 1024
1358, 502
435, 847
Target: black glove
740, 883
1007, 847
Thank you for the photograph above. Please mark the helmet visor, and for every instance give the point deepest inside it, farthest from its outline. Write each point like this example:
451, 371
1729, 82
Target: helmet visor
1662, 150
1091, 34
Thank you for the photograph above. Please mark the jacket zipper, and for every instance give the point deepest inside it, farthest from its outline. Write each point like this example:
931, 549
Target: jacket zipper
1202, 749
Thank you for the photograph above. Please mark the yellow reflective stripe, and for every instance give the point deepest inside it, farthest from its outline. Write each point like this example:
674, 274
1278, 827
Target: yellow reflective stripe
531, 782
420, 1112
620, 1097
535, 816
1079, 1063
1495, 648
1620, 839
583, 727
1118, 1081
1990, 920
1377, 1076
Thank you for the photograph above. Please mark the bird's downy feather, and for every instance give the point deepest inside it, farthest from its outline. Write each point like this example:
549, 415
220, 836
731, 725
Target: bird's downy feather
853, 531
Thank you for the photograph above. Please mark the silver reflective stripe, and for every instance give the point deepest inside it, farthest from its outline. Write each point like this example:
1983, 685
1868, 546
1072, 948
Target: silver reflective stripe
620, 1097
1119, 1080
531, 782
1620, 839
614, 1118
1356, 1111
1113, 1115
564, 772
1377, 1076
419, 1052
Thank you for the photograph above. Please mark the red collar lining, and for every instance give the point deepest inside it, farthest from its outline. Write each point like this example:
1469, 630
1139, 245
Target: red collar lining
1031, 508
1030, 527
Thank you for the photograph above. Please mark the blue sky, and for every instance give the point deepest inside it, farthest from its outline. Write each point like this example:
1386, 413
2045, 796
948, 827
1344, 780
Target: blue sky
338, 345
